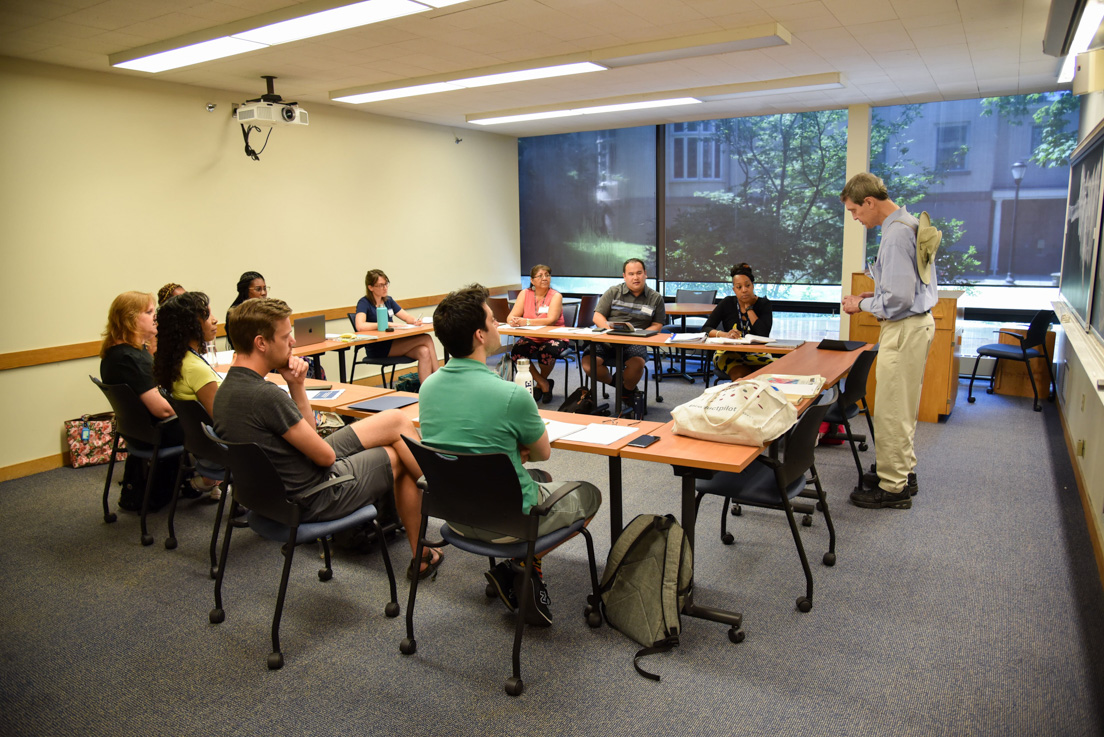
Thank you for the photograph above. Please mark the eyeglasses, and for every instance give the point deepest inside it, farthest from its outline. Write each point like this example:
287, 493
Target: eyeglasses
383, 284
626, 423
259, 290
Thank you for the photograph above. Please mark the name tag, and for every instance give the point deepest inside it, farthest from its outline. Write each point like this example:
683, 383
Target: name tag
646, 309
543, 310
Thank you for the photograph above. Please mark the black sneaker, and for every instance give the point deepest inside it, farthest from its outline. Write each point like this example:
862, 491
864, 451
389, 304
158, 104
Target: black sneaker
871, 481
879, 498
501, 577
540, 613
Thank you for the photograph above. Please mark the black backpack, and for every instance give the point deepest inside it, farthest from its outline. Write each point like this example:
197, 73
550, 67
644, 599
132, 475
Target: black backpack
649, 574
581, 401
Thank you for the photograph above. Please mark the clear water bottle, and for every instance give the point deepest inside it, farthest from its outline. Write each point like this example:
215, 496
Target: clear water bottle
522, 377
381, 319
212, 353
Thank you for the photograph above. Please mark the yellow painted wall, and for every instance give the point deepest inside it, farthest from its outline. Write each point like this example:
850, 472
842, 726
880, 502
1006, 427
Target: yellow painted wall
113, 183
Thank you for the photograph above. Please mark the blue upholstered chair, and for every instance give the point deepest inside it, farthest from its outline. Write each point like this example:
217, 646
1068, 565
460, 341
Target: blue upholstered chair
135, 424
1030, 345
773, 483
383, 362
482, 490
274, 516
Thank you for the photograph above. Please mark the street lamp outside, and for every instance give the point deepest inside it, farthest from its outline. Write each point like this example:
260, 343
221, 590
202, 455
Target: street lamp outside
1018, 171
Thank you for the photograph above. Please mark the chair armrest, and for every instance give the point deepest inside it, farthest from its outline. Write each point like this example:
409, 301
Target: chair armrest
544, 507
769, 461
302, 496
165, 422
1017, 336
422, 483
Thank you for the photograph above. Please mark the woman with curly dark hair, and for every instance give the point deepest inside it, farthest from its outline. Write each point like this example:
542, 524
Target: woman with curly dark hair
184, 326
742, 314
251, 285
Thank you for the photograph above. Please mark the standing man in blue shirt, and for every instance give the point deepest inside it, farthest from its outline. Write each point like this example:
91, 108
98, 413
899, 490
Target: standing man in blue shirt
902, 300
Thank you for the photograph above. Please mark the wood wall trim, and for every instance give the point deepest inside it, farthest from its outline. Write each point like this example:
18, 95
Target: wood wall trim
59, 353
1086, 503
29, 468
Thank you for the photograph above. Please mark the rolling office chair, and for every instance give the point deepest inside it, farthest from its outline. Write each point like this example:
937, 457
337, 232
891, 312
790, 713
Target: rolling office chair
851, 403
483, 490
383, 363
1031, 345
211, 461
274, 516
138, 427
773, 484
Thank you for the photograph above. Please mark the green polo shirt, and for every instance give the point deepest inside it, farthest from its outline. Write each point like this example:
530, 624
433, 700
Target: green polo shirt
465, 407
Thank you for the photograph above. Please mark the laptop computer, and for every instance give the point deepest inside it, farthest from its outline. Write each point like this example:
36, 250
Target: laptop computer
310, 330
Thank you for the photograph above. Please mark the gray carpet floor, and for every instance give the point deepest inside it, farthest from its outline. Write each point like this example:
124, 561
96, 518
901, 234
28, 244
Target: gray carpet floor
979, 611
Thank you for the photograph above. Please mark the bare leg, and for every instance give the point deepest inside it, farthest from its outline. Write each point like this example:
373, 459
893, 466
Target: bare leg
738, 371
634, 369
603, 373
540, 373
420, 348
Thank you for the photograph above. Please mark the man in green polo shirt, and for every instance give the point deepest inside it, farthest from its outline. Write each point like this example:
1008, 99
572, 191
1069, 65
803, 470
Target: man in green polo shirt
465, 407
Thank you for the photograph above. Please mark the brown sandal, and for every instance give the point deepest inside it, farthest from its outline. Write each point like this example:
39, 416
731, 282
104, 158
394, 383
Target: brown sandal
431, 566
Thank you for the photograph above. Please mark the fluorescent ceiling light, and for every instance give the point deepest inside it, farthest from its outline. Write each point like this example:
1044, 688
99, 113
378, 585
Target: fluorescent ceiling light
592, 110
293, 29
216, 48
484, 80
1091, 17
421, 89
331, 21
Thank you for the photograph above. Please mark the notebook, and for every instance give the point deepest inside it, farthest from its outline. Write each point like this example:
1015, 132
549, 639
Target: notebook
379, 404
310, 330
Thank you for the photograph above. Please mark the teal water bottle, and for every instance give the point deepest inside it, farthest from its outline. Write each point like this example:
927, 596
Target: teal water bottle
381, 319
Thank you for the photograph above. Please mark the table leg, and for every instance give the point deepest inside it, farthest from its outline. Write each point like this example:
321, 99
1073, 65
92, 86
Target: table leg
341, 364
619, 362
689, 521
616, 522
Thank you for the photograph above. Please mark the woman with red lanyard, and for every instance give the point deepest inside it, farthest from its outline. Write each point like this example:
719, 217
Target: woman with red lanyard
539, 305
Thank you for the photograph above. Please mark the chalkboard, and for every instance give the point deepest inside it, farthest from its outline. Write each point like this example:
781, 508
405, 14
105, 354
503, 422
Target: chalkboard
1083, 211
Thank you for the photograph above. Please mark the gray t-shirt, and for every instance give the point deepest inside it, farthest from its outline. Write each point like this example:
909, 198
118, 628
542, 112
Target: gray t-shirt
619, 304
249, 409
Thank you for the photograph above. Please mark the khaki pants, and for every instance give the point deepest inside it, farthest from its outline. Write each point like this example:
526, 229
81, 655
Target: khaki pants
902, 355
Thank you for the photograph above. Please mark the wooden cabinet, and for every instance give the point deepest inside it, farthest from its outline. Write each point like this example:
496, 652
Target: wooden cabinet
941, 371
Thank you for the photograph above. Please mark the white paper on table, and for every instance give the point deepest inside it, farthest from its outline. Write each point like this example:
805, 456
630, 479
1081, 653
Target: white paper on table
727, 341
686, 337
557, 429
601, 434
572, 331
314, 394
528, 327
224, 357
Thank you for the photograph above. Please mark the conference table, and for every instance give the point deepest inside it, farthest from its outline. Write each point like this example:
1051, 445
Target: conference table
619, 341
363, 337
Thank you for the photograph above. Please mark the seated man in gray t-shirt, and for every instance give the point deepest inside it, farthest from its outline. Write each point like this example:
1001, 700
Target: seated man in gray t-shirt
249, 409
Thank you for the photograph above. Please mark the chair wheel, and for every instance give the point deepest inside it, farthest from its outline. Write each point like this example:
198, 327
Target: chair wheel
325, 574
737, 511
804, 605
109, 518
988, 391
659, 399
864, 447
971, 400
217, 616
490, 591
275, 661
829, 559
1038, 408
593, 618
147, 540
820, 506
514, 686
170, 543
806, 521
736, 635
408, 646
392, 609
727, 538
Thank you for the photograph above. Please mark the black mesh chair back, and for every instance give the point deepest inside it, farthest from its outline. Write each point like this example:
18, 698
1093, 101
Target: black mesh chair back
800, 444
132, 420
481, 490
1037, 330
383, 363
1029, 346
588, 303
854, 386
571, 314
260, 488
847, 406
512, 294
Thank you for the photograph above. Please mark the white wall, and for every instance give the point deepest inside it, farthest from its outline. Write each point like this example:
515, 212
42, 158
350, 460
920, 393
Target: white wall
113, 183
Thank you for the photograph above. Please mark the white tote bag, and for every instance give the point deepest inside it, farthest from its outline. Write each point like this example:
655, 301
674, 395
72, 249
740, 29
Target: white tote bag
747, 412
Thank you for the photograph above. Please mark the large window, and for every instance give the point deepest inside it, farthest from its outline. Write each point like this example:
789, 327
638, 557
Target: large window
695, 151
588, 201
1002, 214
777, 207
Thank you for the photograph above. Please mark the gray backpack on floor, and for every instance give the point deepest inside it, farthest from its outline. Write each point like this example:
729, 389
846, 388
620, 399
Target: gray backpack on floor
649, 573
